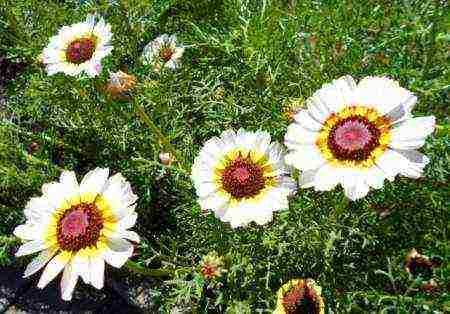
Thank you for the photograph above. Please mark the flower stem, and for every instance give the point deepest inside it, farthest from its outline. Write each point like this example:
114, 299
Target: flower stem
162, 139
134, 267
160, 272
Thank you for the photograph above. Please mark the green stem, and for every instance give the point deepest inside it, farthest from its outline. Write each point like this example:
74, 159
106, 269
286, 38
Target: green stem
134, 267
162, 140
160, 272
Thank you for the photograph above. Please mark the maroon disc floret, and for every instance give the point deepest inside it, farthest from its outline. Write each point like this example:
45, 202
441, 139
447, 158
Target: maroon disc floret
353, 139
166, 53
301, 300
79, 227
243, 178
80, 50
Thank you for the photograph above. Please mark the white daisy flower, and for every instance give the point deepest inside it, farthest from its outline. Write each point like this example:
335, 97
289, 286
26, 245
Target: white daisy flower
164, 51
79, 48
79, 227
357, 135
241, 176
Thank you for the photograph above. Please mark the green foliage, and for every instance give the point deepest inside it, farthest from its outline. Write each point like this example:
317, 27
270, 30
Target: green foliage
244, 60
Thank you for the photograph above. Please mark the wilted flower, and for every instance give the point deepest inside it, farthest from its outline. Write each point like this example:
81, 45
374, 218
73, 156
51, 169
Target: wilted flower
420, 265
212, 266
300, 296
241, 177
119, 83
166, 158
164, 51
79, 48
357, 136
79, 227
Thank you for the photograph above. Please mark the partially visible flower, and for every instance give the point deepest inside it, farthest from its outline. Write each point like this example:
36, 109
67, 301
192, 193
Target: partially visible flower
241, 176
119, 83
357, 136
212, 266
166, 158
79, 48
292, 107
300, 296
164, 51
79, 227
420, 265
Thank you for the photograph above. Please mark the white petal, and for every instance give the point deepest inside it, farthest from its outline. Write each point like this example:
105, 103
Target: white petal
56, 193
332, 97
129, 235
411, 133
68, 282
29, 232
304, 119
93, 183
215, 202
53, 268
306, 178
93, 68
127, 222
305, 157
31, 247
388, 163
119, 195
37, 207
326, 178
119, 245
385, 94
297, 135
117, 258
409, 163
69, 180
81, 265
353, 182
39, 261
374, 177
97, 270
53, 68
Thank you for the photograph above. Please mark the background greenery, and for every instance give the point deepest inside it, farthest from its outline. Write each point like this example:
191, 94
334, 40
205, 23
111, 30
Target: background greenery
244, 62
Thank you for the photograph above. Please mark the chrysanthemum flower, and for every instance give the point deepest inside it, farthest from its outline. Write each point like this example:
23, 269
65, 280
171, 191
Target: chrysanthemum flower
164, 51
79, 227
79, 48
241, 176
119, 83
212, 265
357, 135
300, 296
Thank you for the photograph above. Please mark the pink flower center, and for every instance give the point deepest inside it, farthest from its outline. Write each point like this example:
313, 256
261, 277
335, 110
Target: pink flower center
79, 227
75, 223
80, 50
352, 135
353, 139
243, 178
241, 174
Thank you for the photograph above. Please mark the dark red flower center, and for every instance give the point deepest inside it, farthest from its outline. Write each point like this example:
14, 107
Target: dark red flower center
166, 54
243, 178
79, 227
301, 300
80, 50
353, 138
